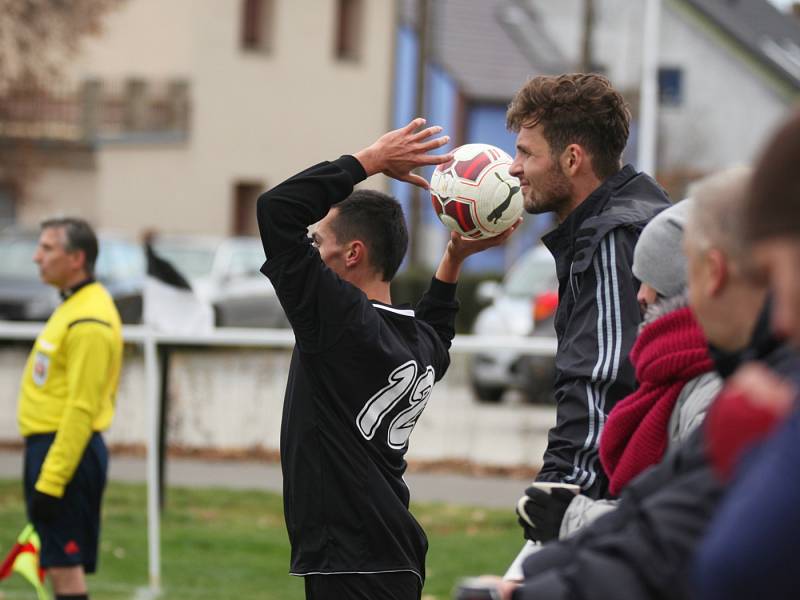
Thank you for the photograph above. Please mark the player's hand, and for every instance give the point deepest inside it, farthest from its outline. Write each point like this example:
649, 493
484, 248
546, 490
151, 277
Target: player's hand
397, 153
44, 507
540, 513
460, 247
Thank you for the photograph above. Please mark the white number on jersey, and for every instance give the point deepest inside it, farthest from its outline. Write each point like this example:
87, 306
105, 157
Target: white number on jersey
375, 409
403, 424
399, 387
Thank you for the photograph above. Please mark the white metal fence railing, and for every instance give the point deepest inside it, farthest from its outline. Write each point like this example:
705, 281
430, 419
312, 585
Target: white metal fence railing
232, 337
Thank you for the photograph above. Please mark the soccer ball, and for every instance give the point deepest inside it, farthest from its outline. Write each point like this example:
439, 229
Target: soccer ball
473, 194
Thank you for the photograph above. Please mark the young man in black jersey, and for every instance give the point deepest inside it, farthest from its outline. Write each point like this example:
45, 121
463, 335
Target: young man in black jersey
362, 369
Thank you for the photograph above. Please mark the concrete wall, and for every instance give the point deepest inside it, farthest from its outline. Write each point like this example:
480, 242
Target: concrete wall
231, 400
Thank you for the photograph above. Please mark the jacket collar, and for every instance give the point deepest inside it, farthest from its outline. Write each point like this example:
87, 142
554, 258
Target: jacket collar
625, 198
763, 342
70, 292
595, 202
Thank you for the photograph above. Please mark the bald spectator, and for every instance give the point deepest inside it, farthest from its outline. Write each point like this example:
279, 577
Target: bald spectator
751, 548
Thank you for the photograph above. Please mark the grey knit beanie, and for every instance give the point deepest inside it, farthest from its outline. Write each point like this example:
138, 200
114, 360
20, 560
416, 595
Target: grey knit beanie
658, 259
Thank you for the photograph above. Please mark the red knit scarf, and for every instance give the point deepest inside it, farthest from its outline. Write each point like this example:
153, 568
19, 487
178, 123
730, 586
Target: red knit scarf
667, 354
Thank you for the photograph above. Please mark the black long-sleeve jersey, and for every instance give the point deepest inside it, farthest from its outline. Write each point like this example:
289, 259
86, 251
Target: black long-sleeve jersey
360, 377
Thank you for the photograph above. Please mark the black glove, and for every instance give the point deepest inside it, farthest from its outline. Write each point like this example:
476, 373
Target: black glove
44, 507
540, 513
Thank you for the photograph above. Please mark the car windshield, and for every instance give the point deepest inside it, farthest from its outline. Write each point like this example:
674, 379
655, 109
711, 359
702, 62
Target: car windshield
119, 260
532, 274
192, 261
247, 259
17, 257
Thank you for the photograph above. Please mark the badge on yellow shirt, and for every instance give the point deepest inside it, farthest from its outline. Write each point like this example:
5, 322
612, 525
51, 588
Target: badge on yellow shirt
41, 367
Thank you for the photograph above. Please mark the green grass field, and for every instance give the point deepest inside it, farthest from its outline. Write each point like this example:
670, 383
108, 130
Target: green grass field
232, 544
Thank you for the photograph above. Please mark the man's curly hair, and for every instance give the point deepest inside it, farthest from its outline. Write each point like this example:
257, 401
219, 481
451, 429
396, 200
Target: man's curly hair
576, 108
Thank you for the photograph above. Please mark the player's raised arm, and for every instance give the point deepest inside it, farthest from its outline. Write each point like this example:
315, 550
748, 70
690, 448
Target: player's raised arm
285, 211
398, 152
438, 306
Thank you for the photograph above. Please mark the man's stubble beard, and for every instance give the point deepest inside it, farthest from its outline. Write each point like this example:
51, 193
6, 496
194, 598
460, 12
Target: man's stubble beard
554, 195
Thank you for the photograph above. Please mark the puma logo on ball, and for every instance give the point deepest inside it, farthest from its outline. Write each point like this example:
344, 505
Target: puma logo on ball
498, 211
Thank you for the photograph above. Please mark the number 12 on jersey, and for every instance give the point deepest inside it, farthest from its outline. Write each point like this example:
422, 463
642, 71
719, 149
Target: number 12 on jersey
403, 385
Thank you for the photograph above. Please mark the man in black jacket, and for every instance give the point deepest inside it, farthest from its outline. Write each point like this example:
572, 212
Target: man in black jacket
572, 130
362, 369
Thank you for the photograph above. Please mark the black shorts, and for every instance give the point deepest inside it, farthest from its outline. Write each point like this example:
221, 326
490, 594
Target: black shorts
70, 539
402, 585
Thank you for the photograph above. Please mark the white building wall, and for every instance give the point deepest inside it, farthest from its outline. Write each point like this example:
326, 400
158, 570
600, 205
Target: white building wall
60, 192
730, 105
143, 186
144, 38
255, 116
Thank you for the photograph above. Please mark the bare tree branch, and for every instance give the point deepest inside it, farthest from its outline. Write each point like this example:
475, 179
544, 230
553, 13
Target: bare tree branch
38, 38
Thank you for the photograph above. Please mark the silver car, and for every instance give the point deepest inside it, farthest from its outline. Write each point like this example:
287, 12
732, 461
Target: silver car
522, 305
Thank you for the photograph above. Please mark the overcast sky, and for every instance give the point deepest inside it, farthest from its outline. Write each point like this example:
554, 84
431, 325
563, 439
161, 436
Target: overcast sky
782, 3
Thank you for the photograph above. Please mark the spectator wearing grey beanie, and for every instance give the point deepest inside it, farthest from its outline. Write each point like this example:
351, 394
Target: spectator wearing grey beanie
658, 259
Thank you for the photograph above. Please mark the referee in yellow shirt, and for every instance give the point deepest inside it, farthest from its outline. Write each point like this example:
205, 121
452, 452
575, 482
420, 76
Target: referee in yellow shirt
66, 399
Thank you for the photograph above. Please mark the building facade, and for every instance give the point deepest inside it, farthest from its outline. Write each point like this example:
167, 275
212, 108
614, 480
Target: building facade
728, 73
182, 112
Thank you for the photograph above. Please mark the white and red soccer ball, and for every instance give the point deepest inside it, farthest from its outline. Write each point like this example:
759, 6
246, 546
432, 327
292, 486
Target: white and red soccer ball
473, 194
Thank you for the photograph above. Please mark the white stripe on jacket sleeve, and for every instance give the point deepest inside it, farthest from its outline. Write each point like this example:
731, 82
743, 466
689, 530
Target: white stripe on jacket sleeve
609, 347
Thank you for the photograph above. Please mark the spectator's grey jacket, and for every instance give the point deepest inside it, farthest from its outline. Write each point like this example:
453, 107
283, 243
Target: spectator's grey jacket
689, 411
596, 321
643, 549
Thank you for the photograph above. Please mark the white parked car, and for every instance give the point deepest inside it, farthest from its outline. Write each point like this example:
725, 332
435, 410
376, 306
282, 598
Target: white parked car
522, 305
225, 273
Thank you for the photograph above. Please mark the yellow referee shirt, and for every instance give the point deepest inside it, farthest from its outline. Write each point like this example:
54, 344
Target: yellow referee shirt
70, 381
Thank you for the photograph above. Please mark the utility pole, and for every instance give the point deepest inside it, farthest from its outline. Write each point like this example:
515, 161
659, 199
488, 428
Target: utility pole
648, 98
587, 58
415, 249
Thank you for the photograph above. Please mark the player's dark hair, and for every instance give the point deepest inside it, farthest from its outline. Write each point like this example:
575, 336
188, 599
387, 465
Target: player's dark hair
79, 236
576, 108
377, 220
